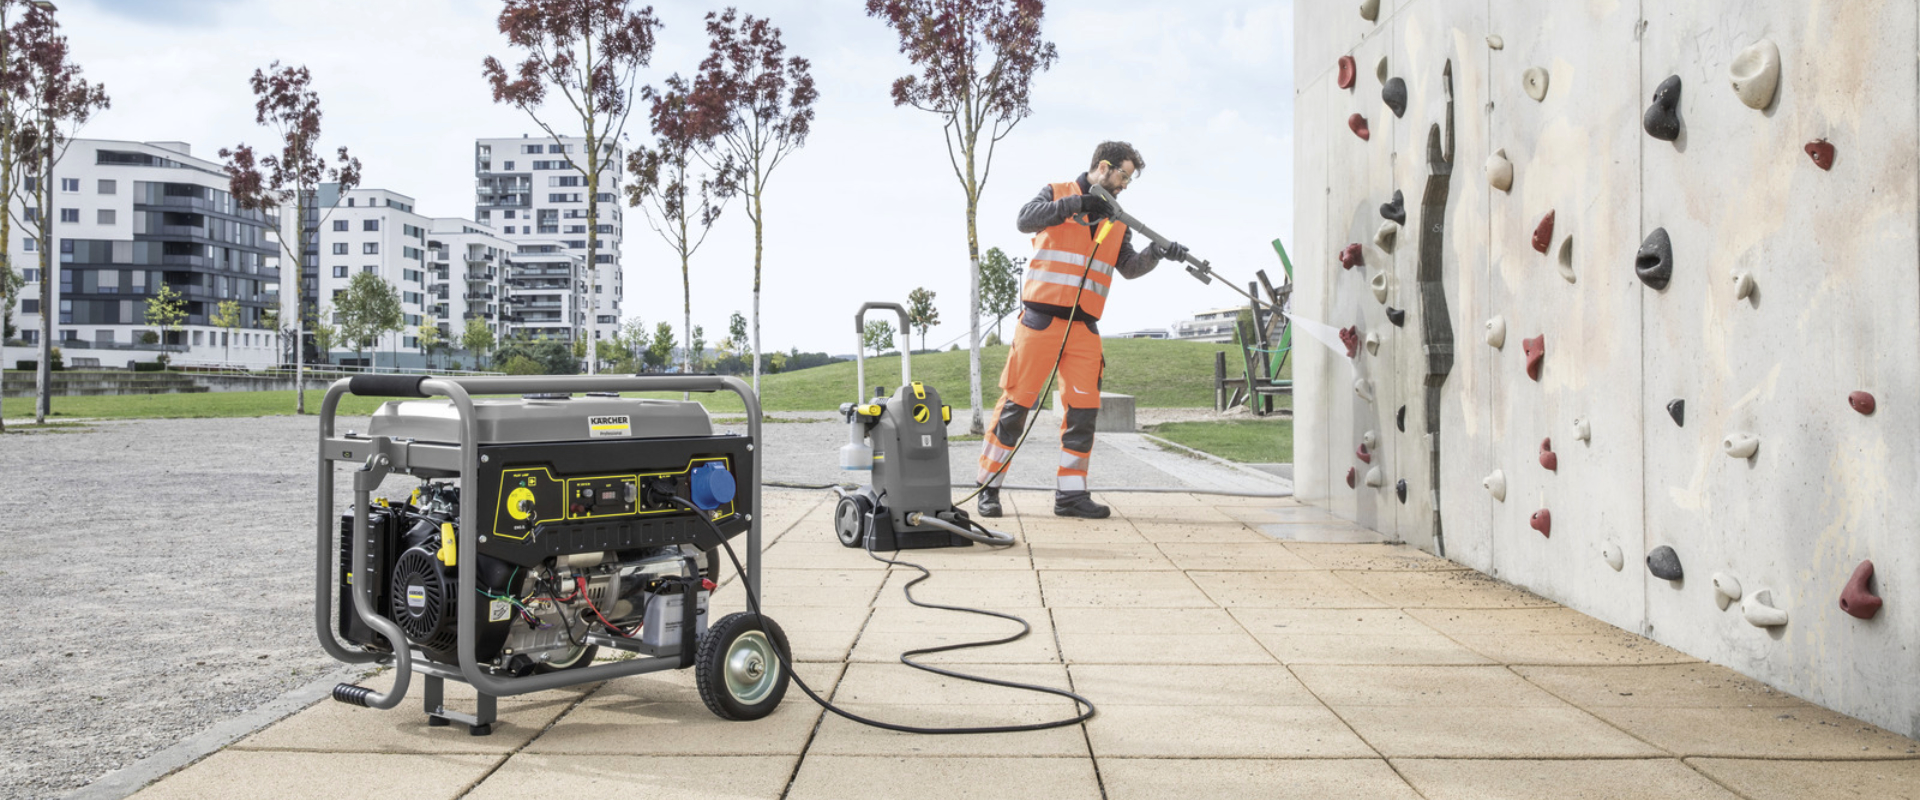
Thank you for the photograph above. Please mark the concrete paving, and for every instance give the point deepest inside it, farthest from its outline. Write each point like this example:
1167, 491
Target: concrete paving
1235, 648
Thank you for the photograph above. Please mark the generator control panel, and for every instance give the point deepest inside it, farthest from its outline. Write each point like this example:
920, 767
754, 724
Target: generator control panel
533, 495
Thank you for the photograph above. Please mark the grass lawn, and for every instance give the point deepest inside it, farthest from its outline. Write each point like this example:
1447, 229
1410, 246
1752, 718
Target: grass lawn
1257, 441
177, 406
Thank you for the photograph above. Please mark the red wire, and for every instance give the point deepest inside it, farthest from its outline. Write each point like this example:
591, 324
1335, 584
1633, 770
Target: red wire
580, 589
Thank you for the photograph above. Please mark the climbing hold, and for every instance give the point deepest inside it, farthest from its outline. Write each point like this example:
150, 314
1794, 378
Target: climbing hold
1499, 170
1396, 209
1379, 286
1349, 477
1759, 611
1542, 521
1582, 430
1861, 402
1345, 76
1615, 558
1534, 80
1370, 439
1358, 124
1565, 260
1654, 262
1821, 151
1380, 69
1396, 316
1662, 119
1364, 456
1400, 419
1678, 411
1400, 489
1536, 350
1497, 332
1351, 338
1548, 458
1742, 284
1394, 94
1856, 599
1364, 389
1375, 479
1755, 74
1543, 233
1740, 445
1726, 589
1351, 257
1369, 10
1494, 42
1496, 484
1664, 563
1373, 343
1386, 237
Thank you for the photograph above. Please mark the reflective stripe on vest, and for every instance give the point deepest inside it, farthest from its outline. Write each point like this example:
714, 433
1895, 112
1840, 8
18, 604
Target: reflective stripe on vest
1071, 282
1063, 254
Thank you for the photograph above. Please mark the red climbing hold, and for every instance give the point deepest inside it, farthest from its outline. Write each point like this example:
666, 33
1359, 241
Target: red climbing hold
1543, 233
1359, 125
1861, 402
1349, 477
1351, 338
1821, 151
1365, 457
1543, 522
1548, 458
1536, 349
1855, 599
1351, 257
1346, 72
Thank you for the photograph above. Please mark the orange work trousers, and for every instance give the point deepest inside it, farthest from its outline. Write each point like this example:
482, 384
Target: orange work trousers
1036, 341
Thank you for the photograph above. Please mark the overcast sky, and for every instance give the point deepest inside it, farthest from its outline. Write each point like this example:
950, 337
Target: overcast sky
868, 210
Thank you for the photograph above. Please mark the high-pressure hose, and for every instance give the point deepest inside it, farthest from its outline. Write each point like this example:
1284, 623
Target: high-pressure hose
976, 532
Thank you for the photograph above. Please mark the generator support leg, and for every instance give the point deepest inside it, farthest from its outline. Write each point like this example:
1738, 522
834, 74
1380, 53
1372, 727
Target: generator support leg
484, 713
436, 702
480, 723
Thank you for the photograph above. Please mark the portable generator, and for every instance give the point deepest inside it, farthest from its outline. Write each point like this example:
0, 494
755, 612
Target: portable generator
547, 526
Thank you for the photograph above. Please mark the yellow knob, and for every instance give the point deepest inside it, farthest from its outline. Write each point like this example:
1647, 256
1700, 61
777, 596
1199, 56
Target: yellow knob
520, 503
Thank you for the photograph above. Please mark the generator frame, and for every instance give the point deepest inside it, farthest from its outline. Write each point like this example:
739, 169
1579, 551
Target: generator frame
379, 456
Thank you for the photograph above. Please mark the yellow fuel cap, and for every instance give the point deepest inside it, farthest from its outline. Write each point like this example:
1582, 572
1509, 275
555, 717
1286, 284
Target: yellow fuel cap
919, 390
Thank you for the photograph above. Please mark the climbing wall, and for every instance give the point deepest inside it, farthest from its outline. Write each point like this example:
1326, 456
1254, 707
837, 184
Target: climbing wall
1679, 258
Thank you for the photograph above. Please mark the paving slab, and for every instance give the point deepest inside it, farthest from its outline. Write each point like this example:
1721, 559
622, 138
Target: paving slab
1162, 531
330, 727
986, 588
818, 555
1272, 779
977, 557
1612, 779
1386, 557
1815, 780
1656, 686
719, 777
832, 777
1234, 556
662, 715
1236, 731
1491, 732
247, 774
1121, 590
899, 684
1805, 731
1463, 589
841, 737
893, 631
1190, 685
1297, 589
1155, 636
1334, 532
1342, 687
1117, 557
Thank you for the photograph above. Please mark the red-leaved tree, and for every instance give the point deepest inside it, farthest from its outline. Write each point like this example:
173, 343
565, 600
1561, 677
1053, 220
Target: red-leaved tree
13, 95
289, 181
977, 59
762, 102
589, 53
681, 201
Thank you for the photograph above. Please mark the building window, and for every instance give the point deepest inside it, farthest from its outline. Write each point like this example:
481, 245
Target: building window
340, 271
109, 186
370, 225
29, 306
339, 248
31, 244
369, 248
31, 274
507, 213
557, 148
563, 197
349, 202
105, 216
69, 184
509, 166
370, 269
530, 148
199, 338
69, 214
339, 224
510, 230
563, 180
103, 335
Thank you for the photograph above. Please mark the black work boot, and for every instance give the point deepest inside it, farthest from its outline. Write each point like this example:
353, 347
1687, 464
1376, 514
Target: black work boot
1079, 504
989, 502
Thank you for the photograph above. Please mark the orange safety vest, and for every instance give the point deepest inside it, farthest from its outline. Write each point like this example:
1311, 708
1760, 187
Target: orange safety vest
1064, 255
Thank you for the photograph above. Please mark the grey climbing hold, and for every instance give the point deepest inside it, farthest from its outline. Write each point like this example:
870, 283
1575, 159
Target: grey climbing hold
1664, 563
1375, 479
1534, 80
1726, 589
1400, 419
1582, 430
1394, 94
1396, 316
1654, 262
1395, 209
1499, 170
1387, 236
1370, 10
1759, 610
1678, 411
1400, 489
1662, 119
1380, 69
1756, 74
1379, 286
1363, 389
1494, 42
1373, 343
1370, 440
1614, 557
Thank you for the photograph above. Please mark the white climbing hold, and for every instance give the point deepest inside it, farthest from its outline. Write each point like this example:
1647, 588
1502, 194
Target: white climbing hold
1379, 285
1565, 261
1759, 610
1742, 284
1370, 10
1363, 388
1374, 478
1726, 589
1370, 439
1582, 430
1496, 43
1615, 558
1373, 343
1535, 82
1380, 69
1499, 170
1386, 237
1740, 445
1497, 332
1496, 484
1756, 74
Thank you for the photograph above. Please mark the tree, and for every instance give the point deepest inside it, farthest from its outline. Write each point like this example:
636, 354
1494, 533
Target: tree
477, 338
228, 320
284, 101
13, 90
589, 52
554, 356
660, 352
166, 309
320, 326
697, 348
10, 284
878, 336
736, 341
999, 286
370, 309
762, 107
921, 314
680, 205
633, 340
430, 340
54, 102
977, 59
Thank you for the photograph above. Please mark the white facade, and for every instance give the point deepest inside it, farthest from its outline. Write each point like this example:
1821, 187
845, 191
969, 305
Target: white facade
529, 190
377, 231
548, 289
128, 218
467, 270
1212, 325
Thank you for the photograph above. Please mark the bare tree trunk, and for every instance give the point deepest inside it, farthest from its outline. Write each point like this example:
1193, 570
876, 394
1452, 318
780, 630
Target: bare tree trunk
43, 374
6, 228
978, 426
759, 224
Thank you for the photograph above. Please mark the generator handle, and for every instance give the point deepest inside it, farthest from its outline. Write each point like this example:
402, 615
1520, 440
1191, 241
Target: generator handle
860, 349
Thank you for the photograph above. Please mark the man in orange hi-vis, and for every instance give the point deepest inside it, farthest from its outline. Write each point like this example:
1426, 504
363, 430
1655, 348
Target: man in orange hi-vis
1077, 249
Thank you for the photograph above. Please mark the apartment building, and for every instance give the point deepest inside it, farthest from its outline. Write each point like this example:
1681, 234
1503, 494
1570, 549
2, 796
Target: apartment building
468, 265
128, 219
531, 191
547, 291
375, 231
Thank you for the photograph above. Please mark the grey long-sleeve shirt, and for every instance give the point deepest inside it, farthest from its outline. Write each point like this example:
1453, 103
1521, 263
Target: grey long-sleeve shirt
1043, 212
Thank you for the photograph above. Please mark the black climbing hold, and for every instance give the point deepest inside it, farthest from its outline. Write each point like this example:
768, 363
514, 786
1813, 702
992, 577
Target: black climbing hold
1400, 488
1664, 563
1396, 210
1400, 419
1654, 262
1394, 94
1396, 316
1678, 410
1662, 119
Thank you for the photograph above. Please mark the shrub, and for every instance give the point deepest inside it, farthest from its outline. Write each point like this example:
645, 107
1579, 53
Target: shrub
522, 365
56, 363
148, 366
149, 337
28, 366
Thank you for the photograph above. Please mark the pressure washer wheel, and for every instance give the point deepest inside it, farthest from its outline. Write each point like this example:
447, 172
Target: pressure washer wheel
739, 666
850, 520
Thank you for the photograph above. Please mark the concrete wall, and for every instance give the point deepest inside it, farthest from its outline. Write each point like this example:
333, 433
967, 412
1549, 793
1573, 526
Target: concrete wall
1833, 254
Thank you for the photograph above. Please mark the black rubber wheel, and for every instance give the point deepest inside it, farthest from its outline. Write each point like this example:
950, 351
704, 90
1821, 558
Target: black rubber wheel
579, 658
850, 521
739, 667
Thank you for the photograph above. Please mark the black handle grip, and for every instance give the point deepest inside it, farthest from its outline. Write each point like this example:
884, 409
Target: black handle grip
387, 385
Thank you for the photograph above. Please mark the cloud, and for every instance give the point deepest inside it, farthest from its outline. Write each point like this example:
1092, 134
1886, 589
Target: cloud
180, 13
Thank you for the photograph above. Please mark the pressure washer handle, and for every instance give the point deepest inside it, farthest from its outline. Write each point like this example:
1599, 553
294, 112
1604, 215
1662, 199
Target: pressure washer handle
860, 351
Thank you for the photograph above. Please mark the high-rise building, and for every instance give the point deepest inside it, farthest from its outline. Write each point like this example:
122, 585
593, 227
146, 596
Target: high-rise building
467, 270
372, 231
132, 217
531, 192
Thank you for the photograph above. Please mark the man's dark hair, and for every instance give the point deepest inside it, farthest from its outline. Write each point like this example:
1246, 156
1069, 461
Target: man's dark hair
1117, 153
